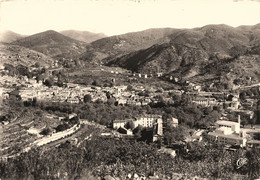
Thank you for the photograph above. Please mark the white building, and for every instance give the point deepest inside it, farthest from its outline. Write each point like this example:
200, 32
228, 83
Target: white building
228, 132
229, 125
148, 120
144, 120
205, 101
119, 123
173, 122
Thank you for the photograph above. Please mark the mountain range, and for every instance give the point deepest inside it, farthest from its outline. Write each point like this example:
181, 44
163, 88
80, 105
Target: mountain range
183, 52
68, 44
212, 39
180, 52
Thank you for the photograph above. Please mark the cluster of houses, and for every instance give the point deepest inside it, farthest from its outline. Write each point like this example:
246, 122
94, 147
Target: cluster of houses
227, 132
74, 93
208, 99
71, 94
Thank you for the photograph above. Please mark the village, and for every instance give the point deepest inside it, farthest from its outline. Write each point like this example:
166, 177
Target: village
224, 131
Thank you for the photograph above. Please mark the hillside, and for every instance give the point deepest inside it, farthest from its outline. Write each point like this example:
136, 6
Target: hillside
84, 36
9, 36
17, 55
160, 58
125, 43
53, 44
212, 39
252, 32
184, 53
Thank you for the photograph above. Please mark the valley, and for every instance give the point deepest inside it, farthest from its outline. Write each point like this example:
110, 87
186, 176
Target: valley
161, 103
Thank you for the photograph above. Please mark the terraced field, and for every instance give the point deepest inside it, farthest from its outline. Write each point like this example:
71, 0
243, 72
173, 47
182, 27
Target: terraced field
15, 135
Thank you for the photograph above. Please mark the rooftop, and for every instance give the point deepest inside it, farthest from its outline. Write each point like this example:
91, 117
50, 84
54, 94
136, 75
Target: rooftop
223, 128
227, 123
254, 141
230, 136
174, 120
149, 116
121, 120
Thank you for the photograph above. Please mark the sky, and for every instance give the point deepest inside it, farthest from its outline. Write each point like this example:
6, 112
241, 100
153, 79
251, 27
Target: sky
113, 17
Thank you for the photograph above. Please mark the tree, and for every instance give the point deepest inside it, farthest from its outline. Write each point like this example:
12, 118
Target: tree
137, 132
111, 101
48, 82
74, 120
173, 134
37, 64
40, 77
209, 119
257, 113
46, 131
228, 85
176, 99
254, 119
60, 83
253, 157
62, 127
95, 83
129, 87
129, 125
185, 100
34, 101
87, 98
144, 93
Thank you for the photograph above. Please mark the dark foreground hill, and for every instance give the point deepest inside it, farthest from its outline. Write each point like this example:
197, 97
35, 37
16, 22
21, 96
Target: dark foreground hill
84, 36
53, 44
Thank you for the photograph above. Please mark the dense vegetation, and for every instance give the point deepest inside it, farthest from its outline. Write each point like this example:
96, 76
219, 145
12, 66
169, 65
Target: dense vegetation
100, 157
187, 113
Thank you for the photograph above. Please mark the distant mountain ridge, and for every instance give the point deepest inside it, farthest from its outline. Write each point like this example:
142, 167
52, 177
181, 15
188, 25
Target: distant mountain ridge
178, 52
53, 44
10, 36
84, 36
182, 52
211, 38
